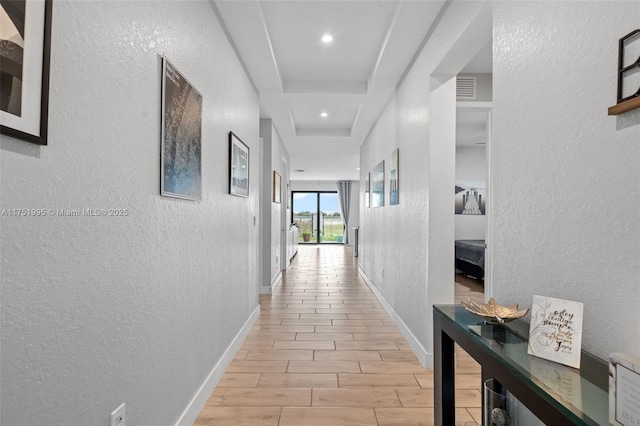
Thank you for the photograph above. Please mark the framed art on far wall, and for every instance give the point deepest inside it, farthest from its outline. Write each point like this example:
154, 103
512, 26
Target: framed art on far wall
238, 166
367, 190
377, 185
25, 47
181, 166
276, 187
394, 187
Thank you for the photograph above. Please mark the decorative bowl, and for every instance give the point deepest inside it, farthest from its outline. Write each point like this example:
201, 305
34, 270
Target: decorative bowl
493, 311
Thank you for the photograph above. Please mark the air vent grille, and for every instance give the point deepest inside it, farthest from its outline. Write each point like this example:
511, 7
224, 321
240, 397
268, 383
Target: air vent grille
299, 170
466, 87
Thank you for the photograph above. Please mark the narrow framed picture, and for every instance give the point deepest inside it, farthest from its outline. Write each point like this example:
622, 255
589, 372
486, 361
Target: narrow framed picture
238, 166
181, 166
367, 190
277, 182
394, 187
25, 49
377, 185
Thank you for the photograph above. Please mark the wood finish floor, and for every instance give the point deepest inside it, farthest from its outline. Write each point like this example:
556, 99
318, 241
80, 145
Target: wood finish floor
324, 352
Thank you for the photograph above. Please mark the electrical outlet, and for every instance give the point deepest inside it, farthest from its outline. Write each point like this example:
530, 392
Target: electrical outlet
117, 417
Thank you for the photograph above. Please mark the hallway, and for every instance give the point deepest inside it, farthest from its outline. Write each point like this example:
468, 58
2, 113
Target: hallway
324, 352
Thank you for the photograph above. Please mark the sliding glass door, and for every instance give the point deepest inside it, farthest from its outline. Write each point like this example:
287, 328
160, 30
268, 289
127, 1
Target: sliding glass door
318, 217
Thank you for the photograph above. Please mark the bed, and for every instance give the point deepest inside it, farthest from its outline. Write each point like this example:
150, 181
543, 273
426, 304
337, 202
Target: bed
470, 257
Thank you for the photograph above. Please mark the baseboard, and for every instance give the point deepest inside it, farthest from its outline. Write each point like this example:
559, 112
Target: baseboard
276, 282
425, 358
190, 414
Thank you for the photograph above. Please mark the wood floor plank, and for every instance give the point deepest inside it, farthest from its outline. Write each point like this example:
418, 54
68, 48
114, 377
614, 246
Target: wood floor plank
374, 397
377, 380
324, 416
266, 397
298, 380
238, 416
324, 367
405, 416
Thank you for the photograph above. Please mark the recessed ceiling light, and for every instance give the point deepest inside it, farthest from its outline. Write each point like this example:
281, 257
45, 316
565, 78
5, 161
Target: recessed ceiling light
358, 168
324, 114
327, 38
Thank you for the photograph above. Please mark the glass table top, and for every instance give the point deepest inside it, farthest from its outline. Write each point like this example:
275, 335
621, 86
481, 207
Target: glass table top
582, 394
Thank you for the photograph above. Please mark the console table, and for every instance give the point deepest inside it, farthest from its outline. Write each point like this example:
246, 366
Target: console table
557, 394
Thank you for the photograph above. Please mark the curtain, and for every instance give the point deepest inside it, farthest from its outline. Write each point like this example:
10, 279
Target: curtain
344, 200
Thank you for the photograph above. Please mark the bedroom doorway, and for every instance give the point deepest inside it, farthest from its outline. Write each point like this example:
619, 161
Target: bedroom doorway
474, 95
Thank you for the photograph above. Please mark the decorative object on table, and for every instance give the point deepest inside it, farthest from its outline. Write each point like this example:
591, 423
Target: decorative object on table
238, 166
394, 188
276, 187
624, 389
25, 49
470, 197
181, 174
497, 404
494, 312
556, 330
628, 96
377, 185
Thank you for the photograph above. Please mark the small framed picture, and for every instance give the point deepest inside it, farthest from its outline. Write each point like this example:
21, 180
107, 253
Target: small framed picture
624, 389
276, 187
377, 185
238, 166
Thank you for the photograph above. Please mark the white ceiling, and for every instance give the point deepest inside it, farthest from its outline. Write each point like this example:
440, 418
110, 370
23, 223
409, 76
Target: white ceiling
351, 79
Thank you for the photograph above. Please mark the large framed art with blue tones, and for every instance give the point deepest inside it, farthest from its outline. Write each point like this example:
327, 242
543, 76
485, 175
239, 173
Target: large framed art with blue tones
181, 168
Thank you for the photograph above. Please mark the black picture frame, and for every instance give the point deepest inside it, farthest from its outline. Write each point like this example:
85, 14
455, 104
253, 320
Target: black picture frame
24, 103
377, 185
277, 187
239, 161
181, 150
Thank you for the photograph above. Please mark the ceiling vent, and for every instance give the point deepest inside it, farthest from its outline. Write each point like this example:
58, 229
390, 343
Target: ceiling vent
466, 87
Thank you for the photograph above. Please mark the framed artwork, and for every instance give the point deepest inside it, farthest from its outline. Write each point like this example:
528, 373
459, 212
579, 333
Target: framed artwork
238, 166
377, 185
288, 196
367, 190
393, 179
25, 49
181, 175
471, 197
276, 187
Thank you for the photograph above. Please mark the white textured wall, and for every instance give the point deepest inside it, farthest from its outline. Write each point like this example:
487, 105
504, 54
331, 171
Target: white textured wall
413, 241
471, 164
136, 309
274, 152
566, 181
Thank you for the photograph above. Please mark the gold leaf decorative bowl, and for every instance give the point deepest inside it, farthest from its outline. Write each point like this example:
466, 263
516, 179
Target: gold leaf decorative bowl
494, 312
